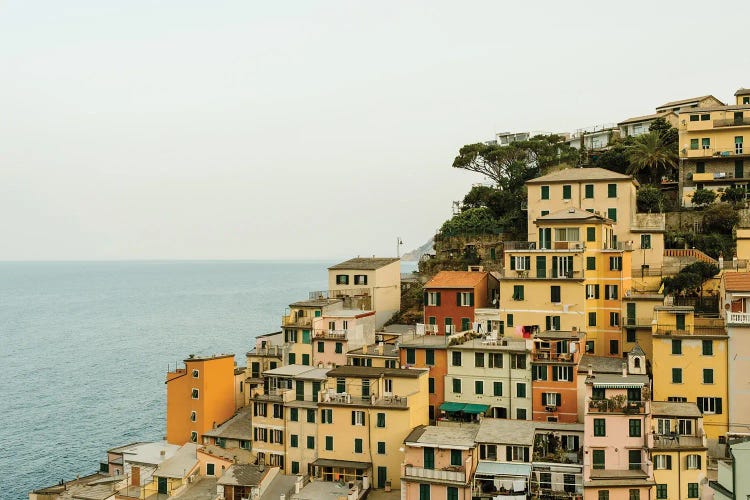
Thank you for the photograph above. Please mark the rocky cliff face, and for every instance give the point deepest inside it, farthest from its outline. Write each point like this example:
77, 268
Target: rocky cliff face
416, 254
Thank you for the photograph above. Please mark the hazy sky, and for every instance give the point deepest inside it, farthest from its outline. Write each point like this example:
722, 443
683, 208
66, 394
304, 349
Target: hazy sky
237, 129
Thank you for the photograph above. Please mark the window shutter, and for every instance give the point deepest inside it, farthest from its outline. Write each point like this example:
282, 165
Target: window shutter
353, 419
554, 373
699, 460
426, 295
547, 323
596, 291
471, 299
699, 401
527, 260
458, 298
525, 454
669, 462
437, 298
512, 263
508, 454
718, 406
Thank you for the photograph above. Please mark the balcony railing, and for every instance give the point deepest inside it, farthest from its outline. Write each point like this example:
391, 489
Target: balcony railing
544, 274
738, 318
344, 398
632, 322
331, 334
676, 441
731, 122
458, 476
690, 330
552, 356
292, 320
610, 406
519, 245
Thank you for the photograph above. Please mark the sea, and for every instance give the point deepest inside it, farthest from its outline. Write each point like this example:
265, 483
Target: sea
85, 347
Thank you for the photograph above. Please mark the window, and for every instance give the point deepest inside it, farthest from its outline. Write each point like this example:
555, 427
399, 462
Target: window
357, 445
590, 346
518, 361
380, 419
311, 416
645, 243
539, 372
496, 359
381, 447
194, 437
339, 348
517, 292
598, 459
411, 357
429, 457
693, 461
693, 142
692, 490
567, 234
294, 440
705, 143
451, 493
746, 100
612, 214
259, 410
709, 405
592, 291
457, 385
611, 190
360, 279
465, 299
278, 411
634, 494
700, 167
295, 467
292, 358
195, 373
705, 117
545, 192
600, 427
545, 212
326, 416
193, 416
588, 190
478, 387
603, 494
329, 443
342, 279
194, 393
708, 348
634, 427
614, 320
358, 417
424, 492
661, 491
708, 376
634, 459
321, 347
456, 358
429, 356
551, 399
306, 359
676, 375
431, 384
497, 388
590, 234
615, 263
521, 390
567, 191
432, 298
479, 359
676, 346
685, 427
592, 319
210, 469
694, 118
662, 462
611, 292
310, 442
554, 294
591, 263
456, 457
509, 320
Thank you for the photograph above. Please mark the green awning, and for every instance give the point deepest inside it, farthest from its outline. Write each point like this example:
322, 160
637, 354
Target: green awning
475, 409
448, 406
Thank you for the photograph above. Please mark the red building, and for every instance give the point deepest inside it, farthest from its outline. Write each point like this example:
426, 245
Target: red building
451, 297
554, 374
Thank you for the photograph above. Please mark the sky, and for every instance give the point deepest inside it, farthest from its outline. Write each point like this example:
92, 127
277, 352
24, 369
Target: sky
134, 129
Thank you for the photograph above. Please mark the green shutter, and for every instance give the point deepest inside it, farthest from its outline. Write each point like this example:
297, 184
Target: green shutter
567, 192
545, 192
591, 263
612, 190
589, 191
541, 266
612, 214
590, 234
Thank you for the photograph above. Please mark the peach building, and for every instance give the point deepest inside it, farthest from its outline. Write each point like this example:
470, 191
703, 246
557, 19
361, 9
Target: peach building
554, 386
339, 332
199, 395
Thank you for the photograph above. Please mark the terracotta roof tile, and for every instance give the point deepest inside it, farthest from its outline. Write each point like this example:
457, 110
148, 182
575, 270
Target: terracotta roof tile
456, 279
737, 282
580, 174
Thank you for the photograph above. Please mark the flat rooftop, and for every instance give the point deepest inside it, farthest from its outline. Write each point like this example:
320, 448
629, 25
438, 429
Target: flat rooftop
506, 431
504, 344
374, 372
443, 437
147, 453
237, 427
289, 371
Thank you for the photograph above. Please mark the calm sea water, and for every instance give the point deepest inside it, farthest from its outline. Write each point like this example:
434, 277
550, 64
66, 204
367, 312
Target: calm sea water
84, 348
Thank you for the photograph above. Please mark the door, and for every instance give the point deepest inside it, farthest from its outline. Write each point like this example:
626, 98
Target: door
135, 472
305, 336
630, 314
545, 238
680, 321
738, 117
300, 389
382, 476
739, 167
161, 485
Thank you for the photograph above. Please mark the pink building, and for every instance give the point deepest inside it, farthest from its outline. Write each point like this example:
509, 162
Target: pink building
616, 424
339, 332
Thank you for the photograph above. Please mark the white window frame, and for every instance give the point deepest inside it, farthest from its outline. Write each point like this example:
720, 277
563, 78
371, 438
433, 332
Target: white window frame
564, 373
388, 385
567, 234
685, 427
660, 462
193, 437
709, 406
432, 298
193, 416
551, 398
590, 291
663, 426
465, 298
517, 453
196, 373
195, 393
520, 263
359, 417
692, 461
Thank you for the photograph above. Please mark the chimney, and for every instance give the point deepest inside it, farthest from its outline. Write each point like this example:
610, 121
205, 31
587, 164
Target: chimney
624, 369
591, 370
163, 452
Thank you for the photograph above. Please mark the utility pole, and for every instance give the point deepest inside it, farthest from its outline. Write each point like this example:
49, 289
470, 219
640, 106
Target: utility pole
399, 242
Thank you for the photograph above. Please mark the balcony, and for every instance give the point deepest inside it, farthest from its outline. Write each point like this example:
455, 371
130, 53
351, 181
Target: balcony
619, 246
731, 122
631, 322
532, 246
543, 275
293, 320
454, 474
611, 405
343, 398
686, 330
561, 357
519, 245
676, 441
331, 334
648, 222
738, 318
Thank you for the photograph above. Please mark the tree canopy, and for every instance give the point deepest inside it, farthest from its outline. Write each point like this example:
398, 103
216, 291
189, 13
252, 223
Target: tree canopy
651, 157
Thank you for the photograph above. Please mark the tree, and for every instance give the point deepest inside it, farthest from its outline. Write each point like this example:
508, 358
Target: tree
690, 279
703, 197
650, 199
472, 221
720, 218
477, 197
734, 195
668, 134
651, 158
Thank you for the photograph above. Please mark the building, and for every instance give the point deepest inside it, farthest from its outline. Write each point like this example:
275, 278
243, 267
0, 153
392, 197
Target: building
639, 125
235, 433
690, 365
609, 194
254, 481
451, 297
301, 418
269, 353
439, 462
137, 461
733, 482
382, 355
736, 295
365, 414
677, 444
557, 462
368, 283
554, 384
711, 141
572, 276
616, 423
173, 475
488, 377
341, 331
639, 315
298, 325
199, 395
98, 486
505, 453
594, 138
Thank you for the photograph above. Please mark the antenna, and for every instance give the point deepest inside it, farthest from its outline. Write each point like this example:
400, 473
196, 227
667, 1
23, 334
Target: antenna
399, 242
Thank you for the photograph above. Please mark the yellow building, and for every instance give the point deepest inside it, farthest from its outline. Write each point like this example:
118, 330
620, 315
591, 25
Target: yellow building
712, 151
678, 448
639, 315
611, 195
300, 416
572, 274
364, 416
298, 325
690, 364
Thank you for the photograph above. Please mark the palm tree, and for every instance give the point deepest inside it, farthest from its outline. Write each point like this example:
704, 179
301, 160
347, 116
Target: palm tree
650, 157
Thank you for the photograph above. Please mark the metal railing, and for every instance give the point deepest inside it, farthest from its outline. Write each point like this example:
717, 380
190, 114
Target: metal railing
331, 334
436, 474
690, 330
610, 406
552, 356
292, 320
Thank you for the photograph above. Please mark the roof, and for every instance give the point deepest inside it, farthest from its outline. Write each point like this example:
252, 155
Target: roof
374, 372
600, 364
426, 341
637, 351
737, 282
328, 462
147, 453
617, 381
723, 107
580, 174
456, 279
559, 334
349, 313
281, 483
389, 351
243, 475
503, 469
684, 101
288, 371
236, 455
645, 118
504, 344
237, 427
203, 488
673, 409
180, 464
443, 436
742, 91
506, 431
268, 334
397, 329
315, 303
314, 374
365, 263
573, 213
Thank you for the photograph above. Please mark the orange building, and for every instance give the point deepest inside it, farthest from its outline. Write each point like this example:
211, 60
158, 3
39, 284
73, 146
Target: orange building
431, 352
199, 395
554, 381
